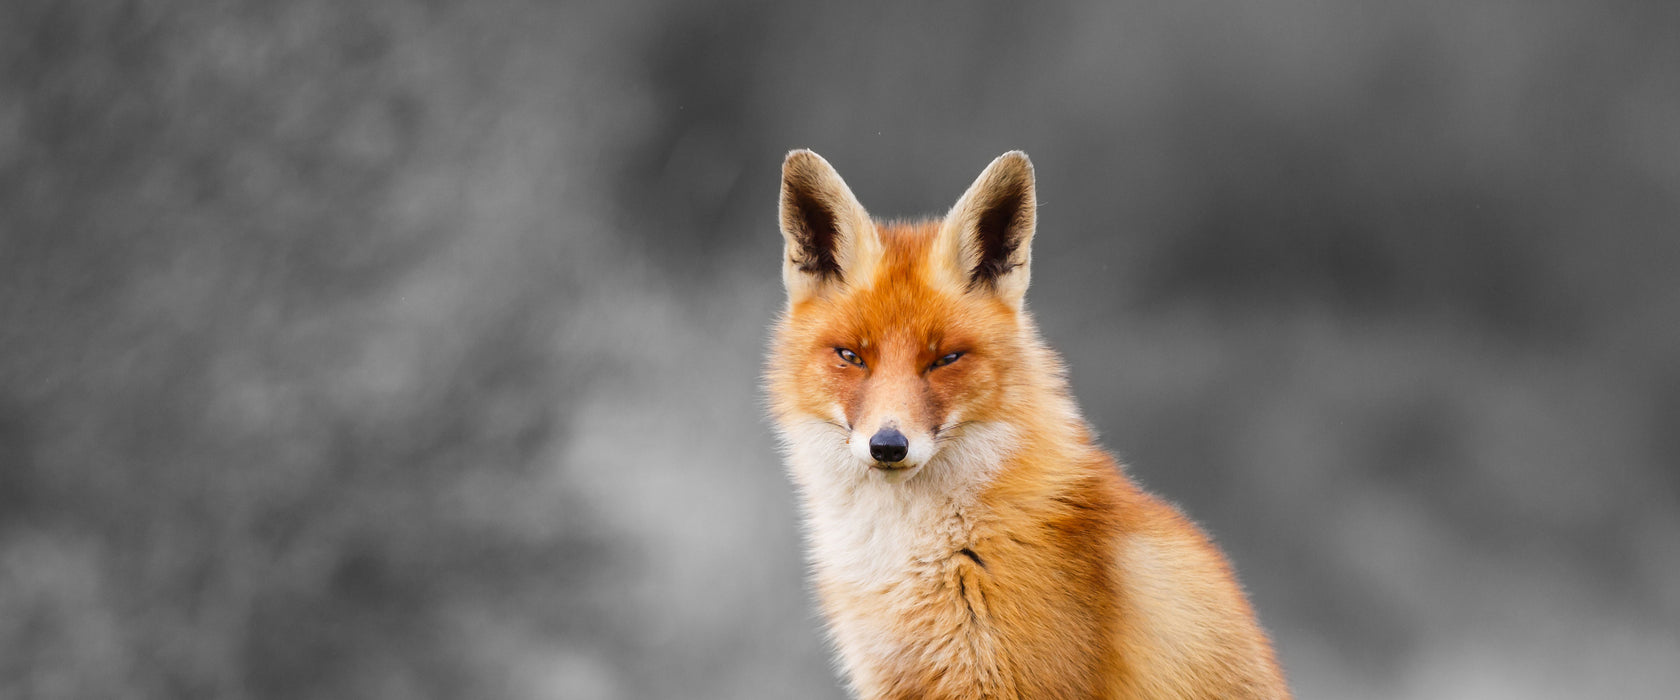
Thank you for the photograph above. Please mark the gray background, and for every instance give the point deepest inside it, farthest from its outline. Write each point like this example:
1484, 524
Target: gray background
391, 350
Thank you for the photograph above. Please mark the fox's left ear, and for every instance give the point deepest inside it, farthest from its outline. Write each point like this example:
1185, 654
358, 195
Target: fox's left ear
988, 234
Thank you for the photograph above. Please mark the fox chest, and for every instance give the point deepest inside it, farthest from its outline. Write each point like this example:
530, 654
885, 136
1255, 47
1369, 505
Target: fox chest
954, 629
929, 634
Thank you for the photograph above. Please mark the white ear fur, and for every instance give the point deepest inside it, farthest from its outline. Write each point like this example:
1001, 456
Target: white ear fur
988, 234
829, 240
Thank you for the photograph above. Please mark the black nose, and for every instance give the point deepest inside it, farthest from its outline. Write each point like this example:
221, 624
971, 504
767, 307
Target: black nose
889, 446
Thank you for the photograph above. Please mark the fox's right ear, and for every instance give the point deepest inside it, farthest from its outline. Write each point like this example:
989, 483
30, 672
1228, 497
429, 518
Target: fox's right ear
828, 236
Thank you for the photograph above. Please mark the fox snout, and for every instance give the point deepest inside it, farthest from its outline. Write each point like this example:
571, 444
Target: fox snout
888, 446
891, 449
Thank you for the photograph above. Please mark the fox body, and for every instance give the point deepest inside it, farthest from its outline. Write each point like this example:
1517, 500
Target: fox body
967, 537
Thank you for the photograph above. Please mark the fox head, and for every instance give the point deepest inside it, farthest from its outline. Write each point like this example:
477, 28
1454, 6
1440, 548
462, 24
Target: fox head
903, 343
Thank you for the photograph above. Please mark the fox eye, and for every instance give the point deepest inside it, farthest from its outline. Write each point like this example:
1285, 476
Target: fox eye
849, 356
948, 359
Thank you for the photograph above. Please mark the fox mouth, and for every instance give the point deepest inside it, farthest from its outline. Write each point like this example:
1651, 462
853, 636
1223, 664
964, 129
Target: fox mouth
895, 473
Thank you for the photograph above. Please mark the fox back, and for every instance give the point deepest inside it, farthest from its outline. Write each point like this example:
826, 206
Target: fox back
968, 539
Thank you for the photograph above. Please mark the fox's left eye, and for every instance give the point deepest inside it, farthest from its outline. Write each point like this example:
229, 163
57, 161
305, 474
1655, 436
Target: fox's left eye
849, 356
948, 359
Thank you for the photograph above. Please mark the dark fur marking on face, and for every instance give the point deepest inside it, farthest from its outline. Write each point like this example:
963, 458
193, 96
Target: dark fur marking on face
971, 555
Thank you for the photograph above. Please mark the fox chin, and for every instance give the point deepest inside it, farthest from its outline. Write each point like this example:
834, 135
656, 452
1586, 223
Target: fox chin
967, 537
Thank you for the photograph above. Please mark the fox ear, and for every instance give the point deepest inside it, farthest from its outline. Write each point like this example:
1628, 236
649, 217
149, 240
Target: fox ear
989, 232
828, 236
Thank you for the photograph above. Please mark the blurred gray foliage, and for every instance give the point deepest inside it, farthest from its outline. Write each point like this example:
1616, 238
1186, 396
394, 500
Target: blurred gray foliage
405, 350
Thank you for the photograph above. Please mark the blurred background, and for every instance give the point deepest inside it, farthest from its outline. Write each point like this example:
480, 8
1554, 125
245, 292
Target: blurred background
410, 350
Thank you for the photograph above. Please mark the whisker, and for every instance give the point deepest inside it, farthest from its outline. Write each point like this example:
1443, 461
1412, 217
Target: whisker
943, 432
955, 425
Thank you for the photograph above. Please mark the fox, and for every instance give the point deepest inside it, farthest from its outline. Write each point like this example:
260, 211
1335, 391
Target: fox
965, 534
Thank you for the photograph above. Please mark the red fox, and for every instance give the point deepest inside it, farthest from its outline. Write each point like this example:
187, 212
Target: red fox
967, 537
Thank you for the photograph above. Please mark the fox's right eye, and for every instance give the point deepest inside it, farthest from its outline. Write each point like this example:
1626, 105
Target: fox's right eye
849, 356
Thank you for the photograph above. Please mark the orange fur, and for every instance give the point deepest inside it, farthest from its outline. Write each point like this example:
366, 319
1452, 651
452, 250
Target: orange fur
1007, 556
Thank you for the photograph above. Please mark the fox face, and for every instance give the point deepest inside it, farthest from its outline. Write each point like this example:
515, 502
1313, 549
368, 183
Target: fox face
904, 339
